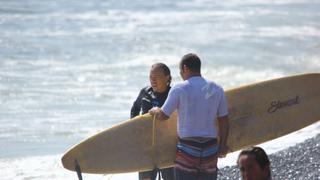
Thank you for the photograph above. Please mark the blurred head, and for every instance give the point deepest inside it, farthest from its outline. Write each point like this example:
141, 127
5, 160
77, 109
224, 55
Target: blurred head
160, 77
190, 65
254, 164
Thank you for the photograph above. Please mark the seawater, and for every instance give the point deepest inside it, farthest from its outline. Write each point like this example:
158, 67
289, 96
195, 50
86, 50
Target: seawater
70, 69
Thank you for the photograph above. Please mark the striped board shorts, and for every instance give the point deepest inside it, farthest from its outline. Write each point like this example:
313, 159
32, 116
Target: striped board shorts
197, 157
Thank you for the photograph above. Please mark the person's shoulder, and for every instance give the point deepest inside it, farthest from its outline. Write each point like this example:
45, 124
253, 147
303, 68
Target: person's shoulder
179, 85
177, 88
145, 90
215, 86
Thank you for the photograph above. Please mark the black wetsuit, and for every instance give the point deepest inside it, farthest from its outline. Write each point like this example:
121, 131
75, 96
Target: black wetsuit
146, 100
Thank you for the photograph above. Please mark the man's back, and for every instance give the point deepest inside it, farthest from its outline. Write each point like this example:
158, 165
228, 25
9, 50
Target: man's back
199, 103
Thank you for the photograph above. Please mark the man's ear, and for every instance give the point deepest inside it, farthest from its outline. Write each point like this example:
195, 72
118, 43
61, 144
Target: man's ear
185, 68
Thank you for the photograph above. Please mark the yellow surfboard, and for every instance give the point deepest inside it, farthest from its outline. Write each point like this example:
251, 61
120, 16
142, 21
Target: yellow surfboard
258, 113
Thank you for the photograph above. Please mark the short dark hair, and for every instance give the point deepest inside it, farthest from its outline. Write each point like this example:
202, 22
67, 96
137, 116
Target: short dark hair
165, 69
259, 155
192, 61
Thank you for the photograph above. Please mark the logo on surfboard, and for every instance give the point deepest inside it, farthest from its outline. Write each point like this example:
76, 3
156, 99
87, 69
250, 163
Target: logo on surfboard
276, 105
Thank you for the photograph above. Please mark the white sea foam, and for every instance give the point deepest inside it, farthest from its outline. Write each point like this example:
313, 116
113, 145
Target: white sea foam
268, 2
46, 167
240, 75
70, 71
288, 31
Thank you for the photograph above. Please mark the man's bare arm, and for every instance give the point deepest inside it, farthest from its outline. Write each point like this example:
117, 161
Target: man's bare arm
223, 135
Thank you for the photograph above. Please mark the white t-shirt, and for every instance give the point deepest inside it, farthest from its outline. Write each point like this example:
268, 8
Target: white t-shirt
199, 103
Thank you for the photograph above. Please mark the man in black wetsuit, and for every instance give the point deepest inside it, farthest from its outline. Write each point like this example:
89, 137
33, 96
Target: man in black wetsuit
154, 96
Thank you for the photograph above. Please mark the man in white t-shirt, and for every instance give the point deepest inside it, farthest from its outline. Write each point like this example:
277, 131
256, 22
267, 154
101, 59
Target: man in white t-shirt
200, 103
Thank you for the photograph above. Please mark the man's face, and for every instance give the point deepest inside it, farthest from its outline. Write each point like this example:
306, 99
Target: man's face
250, 169
158, 80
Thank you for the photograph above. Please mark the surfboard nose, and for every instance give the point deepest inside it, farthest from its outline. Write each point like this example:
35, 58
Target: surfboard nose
70, 160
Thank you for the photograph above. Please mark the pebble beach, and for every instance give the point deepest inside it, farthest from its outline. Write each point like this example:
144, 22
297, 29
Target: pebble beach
298, 162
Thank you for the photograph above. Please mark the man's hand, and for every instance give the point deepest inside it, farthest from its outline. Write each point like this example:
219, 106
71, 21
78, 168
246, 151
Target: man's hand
158, 114
154, 110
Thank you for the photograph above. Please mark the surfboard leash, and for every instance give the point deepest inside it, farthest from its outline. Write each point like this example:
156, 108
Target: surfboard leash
78, 169
153, 143
153, 130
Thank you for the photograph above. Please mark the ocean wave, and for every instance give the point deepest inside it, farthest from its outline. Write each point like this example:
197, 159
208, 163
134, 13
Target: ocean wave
241, 75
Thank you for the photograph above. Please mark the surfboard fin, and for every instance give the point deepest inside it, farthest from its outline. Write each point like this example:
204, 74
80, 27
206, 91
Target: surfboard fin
78, 169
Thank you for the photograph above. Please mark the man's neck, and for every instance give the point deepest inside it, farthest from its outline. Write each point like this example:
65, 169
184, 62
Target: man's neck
194, 75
